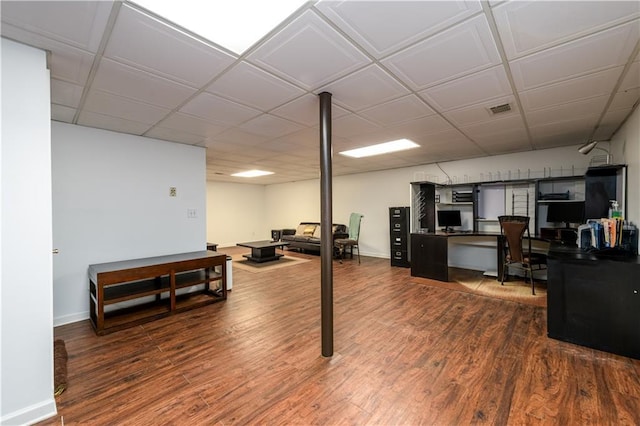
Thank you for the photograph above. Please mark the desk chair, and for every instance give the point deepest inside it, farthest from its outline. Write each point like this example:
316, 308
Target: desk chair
352, 241
512, 230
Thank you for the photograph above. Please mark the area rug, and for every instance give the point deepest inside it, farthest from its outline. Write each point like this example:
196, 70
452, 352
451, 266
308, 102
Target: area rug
515, 289
242, 263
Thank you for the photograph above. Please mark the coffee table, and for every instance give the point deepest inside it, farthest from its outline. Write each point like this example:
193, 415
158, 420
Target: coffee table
263, 251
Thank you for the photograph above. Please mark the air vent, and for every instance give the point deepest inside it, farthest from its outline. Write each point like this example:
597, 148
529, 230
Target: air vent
500, 108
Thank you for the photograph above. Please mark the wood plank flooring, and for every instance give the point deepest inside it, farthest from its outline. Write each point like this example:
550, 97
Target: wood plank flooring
406, 353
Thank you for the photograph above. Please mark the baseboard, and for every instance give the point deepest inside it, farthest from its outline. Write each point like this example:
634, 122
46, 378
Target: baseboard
32, 414
68, 319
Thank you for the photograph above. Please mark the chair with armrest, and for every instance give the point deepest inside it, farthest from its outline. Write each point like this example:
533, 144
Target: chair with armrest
513, 230
351, 241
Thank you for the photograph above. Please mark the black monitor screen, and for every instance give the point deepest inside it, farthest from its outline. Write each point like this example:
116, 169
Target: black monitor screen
449, 218
566, 212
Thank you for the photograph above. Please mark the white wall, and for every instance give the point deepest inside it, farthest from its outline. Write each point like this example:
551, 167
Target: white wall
373, 193
236, 213
629, 138
26, 367
111, 202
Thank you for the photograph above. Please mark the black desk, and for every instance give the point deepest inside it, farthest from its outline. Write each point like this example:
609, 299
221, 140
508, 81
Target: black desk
593, 300
430, 253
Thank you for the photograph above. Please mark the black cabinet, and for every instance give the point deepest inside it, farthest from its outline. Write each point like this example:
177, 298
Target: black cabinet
431, 256
593, 301
399, 236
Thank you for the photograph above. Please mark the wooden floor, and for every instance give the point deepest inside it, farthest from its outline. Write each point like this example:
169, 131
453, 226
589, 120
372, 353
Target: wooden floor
406, 353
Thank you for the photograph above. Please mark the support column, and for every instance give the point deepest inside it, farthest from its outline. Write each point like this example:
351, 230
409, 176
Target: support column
326, 222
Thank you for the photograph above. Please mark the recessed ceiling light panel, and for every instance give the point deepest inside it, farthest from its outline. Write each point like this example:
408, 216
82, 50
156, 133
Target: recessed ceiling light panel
252, 173
381, 148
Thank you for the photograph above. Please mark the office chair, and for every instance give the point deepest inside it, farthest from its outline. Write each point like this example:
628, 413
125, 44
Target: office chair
512, 230
352, 241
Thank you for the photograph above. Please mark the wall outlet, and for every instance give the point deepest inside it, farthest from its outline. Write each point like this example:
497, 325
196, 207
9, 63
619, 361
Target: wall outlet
172, 191
191, 213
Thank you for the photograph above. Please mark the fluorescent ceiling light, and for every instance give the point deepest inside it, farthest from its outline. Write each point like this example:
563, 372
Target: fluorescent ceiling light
381, 148
252, 173
233, 24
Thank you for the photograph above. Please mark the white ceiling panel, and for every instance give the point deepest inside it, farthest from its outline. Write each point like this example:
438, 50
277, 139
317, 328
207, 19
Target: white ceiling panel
174, 136
194, 125
76, 23
214, 108
305, 110
66, 62
459, 51
384, 27
423, 70
625, 99
251, 86
480, 112
526, 27
598, 52
469, 90
299, 53
62, 113
632, 78
355, 92
576, 89
150, 44
270, 126
352, 125
128, 109
67, 94
123, 80
101, 121
398, 111
587, 107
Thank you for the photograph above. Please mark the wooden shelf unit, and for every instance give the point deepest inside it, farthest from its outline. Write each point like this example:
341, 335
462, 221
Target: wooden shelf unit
154, 282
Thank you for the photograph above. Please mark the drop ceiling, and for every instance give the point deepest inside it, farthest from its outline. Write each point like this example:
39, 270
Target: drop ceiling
428, 71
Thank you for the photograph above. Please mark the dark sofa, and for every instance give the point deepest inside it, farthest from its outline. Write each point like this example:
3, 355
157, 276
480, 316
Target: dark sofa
306, 237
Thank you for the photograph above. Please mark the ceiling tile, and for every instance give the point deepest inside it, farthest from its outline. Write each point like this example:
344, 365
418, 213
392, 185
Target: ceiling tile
632, 78
481, 112
571, 111
173, 135
575, 89
193, 125
594, 53
625, 99
65, 62
270, 126
510, 126
306, 110
147, 43
525, 27
214, 108
127, 109
116, 124
353, 125
62, 113
355, 91
251, 86
299, 53
123, 80
578, 129
384, 27
469, 90
398, 111
76, 23
610, 123
461, 50
67, 94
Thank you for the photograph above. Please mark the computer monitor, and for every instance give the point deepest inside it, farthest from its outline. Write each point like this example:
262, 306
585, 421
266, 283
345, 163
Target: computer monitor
566, 211
449, 219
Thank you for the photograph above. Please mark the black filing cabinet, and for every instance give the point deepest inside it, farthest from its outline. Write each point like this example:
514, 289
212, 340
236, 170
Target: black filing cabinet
399, 236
